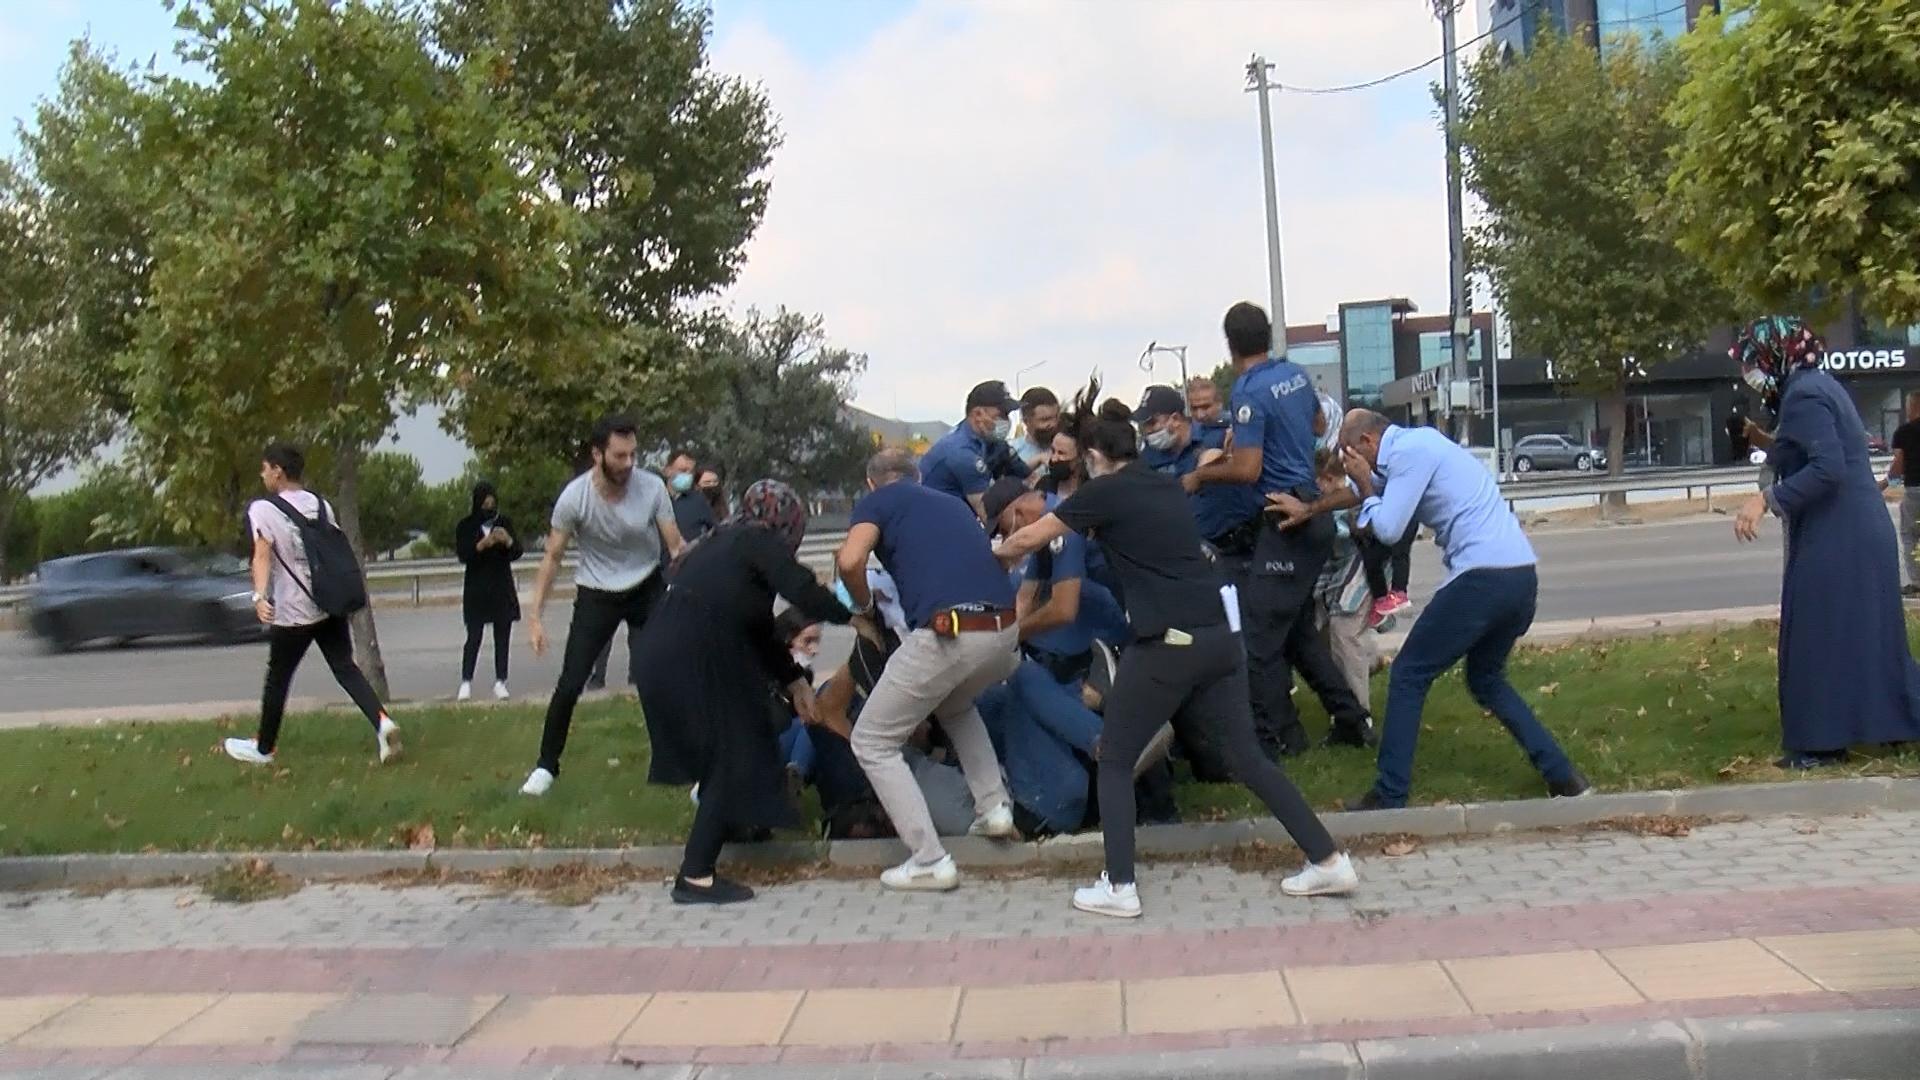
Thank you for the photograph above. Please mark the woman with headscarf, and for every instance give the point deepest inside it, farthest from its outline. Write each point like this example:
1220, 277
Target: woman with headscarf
1847, 677
485, 541
707, 661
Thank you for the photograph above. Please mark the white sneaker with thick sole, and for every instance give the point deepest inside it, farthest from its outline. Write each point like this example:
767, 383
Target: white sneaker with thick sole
1313, 879
500, 690
1103, 897
1156, 751
465, 693
248, 751
996, 824
538, 781
389, 739
910, 876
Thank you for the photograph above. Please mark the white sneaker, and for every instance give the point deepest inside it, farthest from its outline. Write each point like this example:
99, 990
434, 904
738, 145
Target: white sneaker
1103, 897
910, 876
1156, 751
500, 690
1316, 880
464, 693
248, 751
389, 739
538, 781
996, 824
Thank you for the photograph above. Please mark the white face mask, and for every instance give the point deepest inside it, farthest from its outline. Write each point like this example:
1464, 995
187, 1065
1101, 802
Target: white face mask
1161, 440
803, 660
1002, 428
1759, 380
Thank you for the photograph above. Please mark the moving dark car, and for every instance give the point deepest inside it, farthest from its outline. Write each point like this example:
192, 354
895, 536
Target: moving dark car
142, 593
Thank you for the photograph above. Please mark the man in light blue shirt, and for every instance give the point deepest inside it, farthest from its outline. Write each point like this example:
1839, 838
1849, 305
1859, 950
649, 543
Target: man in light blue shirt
1485, 604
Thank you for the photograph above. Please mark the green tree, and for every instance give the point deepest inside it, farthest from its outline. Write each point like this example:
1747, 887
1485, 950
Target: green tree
1797, 173
393, 501
339, 220
780, 409
664, 160
1568, 151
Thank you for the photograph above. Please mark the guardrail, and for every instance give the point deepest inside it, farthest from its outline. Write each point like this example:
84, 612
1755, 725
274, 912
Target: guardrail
419, 580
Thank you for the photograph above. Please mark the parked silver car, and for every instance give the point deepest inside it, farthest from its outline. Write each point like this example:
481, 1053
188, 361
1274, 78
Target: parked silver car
1556, 452
140, 593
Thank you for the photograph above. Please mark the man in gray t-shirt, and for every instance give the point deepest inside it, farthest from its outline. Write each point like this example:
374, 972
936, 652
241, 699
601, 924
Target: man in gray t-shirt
621, 520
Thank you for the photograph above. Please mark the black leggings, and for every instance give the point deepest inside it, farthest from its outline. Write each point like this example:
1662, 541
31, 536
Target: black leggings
470, 653
1209, 679
1377, 559
710, 828
286, 646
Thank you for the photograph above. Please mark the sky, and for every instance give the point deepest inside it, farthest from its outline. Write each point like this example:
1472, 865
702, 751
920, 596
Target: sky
1027, 190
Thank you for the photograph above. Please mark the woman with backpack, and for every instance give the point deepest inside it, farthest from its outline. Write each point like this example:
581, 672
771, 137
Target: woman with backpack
306, 583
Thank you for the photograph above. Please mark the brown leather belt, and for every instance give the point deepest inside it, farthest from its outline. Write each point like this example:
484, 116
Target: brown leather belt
952, 622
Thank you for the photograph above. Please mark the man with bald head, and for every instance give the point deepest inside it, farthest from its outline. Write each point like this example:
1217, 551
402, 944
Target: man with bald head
1403, 476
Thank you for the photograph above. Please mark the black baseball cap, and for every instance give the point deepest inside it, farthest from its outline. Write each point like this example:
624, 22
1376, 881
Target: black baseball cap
992, 395
1159, 401
1003, 493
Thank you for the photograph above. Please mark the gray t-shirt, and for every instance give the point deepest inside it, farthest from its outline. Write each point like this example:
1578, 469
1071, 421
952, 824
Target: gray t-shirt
618, 540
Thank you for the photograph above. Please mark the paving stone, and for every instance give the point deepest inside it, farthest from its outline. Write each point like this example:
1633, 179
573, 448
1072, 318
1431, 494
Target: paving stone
1079, 1010
1208, 1003
18, 1015
397, 1020
251, 1018
1878, 1045
1552, 982
1367, 992
1852, 962
560, 1020
861, 1017
118, 1020
1709, 969
706, 1019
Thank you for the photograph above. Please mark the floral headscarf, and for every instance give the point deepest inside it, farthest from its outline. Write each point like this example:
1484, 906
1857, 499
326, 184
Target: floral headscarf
772, 505
1774, 347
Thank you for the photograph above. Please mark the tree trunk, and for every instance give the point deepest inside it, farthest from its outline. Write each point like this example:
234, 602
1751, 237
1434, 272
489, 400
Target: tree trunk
1615, 417
8, 503
346, 503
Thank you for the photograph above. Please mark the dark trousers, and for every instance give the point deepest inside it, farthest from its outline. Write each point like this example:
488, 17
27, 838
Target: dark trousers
596, 615
470, 652
599, 677
1479, 616
710, 828
1378, 560
286, 646
1277, 618
1208, 679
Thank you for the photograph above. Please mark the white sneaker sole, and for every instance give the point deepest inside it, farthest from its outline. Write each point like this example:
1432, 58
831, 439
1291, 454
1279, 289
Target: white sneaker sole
1111, 913
1332, 889
922, 884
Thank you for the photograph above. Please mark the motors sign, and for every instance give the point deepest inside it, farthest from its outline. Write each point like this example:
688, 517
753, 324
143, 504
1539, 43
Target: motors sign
1865, 360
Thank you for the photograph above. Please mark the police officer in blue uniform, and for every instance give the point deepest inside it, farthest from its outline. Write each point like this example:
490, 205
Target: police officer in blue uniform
1228, 514
1274, 409
968, 459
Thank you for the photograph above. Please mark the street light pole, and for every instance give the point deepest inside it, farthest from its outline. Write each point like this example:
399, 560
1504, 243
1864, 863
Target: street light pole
1153, 347
1456, 222
1022, 372
1257, 69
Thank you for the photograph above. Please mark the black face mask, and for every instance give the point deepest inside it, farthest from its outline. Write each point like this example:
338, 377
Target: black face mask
1059, 472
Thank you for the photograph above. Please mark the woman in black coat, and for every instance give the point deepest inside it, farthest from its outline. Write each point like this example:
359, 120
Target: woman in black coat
485, 541
706, 662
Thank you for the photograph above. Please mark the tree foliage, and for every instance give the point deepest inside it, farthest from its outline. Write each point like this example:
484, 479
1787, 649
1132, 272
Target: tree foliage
1797, 173
663, 160
778, 412
1568, 151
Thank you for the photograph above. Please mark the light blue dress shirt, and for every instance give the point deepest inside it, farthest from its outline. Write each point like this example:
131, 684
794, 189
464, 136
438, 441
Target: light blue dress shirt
1424, 476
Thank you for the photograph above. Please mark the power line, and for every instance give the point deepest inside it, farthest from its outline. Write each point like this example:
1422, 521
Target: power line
1529, 8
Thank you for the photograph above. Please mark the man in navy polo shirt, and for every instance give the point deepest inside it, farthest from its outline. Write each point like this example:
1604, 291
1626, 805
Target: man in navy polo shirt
968, 459
1176, 446
962, 636
1275, 408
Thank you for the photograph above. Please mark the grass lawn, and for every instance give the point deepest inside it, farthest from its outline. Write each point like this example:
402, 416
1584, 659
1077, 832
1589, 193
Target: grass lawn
1639, 713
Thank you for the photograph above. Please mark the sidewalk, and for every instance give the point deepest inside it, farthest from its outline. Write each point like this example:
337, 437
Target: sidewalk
1580, 934
1563, 630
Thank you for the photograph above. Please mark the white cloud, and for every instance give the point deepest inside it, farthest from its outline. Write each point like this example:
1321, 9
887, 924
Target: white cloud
984, 184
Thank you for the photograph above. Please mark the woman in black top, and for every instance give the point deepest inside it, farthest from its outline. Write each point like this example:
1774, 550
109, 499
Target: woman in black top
1185, 656
707, 661
484, 540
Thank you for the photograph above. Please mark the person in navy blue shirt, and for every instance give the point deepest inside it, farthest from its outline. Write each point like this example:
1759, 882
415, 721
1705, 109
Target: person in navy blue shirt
1175, 445
961, 639
968, 459
1276, 429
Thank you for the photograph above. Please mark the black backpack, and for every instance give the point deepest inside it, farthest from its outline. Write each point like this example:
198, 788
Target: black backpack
338, 588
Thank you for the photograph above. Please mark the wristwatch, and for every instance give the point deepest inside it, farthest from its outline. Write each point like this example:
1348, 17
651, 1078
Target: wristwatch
259, 598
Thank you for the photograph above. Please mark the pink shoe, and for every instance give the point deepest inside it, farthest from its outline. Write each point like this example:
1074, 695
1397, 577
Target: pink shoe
1382, 608
1398, 600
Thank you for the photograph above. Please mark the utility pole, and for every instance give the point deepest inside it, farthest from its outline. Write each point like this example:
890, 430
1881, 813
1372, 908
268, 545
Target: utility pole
1257, 69
1462, 316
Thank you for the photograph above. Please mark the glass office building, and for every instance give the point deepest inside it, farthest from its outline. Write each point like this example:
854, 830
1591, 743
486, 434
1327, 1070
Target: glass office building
1647, 20
1514, 25
1366, 342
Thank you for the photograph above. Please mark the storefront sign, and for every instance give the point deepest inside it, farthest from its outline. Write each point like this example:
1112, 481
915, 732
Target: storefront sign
1428, 381
1865, 360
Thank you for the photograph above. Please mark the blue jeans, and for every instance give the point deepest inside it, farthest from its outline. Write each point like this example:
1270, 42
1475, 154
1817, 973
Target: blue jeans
1479, 616
1101, 611
1038, 724
796, 748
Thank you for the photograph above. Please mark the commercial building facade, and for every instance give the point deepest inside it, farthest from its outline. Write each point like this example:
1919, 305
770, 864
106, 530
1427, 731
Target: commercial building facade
1514, 25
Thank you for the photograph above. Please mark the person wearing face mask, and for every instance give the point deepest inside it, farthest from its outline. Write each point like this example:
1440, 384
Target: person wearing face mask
1040, 415
1407, 476
1062, 473
485, 542
691, 509
711, 486
1186, 655
968, 459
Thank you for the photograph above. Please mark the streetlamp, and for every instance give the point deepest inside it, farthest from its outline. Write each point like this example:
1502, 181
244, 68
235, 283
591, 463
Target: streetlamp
1153, 348
1258, 69
1035, 366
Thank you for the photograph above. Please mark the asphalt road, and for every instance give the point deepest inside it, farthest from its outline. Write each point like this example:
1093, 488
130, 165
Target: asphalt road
1585, 573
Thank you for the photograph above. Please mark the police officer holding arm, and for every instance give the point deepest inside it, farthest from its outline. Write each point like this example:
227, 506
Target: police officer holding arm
968, 459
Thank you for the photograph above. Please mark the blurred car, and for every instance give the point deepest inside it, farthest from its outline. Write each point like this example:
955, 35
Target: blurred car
1556, 452
141, 593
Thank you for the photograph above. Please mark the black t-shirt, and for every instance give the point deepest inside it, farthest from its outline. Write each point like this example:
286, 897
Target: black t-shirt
1143, 523
1906, 439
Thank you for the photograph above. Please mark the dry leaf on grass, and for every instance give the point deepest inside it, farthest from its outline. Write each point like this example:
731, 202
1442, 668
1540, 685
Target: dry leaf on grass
1550, 689
1400, 848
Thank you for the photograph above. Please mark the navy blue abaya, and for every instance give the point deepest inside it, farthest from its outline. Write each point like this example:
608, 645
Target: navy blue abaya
1846, 675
